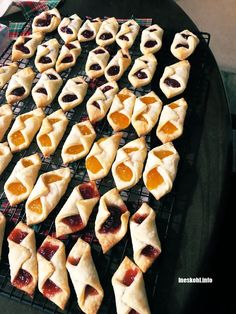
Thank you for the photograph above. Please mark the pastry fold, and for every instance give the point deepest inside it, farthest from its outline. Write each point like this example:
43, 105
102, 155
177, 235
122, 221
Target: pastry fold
184, 44
96, 62
118, 65
127, 34
6, 72
46, 55
151, 39
6, 117
68, 56
5, 156
2, 231
69, 27
46, 21
89, 30
107, 32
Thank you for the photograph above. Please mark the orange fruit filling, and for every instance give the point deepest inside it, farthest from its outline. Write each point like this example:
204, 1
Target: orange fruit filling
163, 153
53, 121
26, 163
140, 117
17, 188
102, 139
36, 206
52, 178
84, 129
173, 105
45, 140
168, 128
75, 149
1, 153
124, 172
17, 138
25, 117
130, 150
154, 179
120, 120
123, 97
148, 100
93, 165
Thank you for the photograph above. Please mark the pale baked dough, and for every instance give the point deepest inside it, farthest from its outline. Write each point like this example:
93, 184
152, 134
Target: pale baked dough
89, 30
2, 231
184, 44
46, 55
151, 39
69, 27
6, 116
68, 56
52, 19
107, 32
118, 65
6, 72
5, 156
127, 34
96, 62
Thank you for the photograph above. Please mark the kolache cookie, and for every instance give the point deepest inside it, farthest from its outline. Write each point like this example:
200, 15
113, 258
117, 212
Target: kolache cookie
6, 72
47, 21
68, 56
89, 30
6, 117
46, 55
118, 65
107, 32
69, 27
184, 44
127, 34
151, 39
96, 62
5, 156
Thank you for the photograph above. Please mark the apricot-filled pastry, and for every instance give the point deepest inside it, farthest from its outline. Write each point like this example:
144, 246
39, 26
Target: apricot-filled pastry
73, 93
118, 65
146, 112
146, 248
160, 170
89, 30
22, 179
84, 277
46, 194
68, 56
171, 121
107, 32
119, 116
19, 86
46, 21
24, 129
143, 70
99, 160
5, 156
184, 44
151, 39
129, 289
175, 78
99, 103
2, 230
69, 27
6, 72
6, 116
127, 34
96, 62
76, 211
51, 132
46, 55
78, 143
53, 279
22, 258
46, 88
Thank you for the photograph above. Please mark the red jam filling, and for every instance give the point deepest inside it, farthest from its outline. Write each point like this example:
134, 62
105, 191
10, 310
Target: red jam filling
133, 312
74, 222
113, 222
150, 43
171, 82
95, 67
113, 70
140, 218
47, 250
150, 251
69, 98
88, 190
67, 59
22, 279
105, 36
67, 30
52, 77
22, 48
98, 51
123, 37
182, 45
19, 91
73, 261
90, 291
87, 33
70, 46
96, 104
42, 91
129, 276
106, 88
45, 60
50, 289
44, 22
17, 235
140, 75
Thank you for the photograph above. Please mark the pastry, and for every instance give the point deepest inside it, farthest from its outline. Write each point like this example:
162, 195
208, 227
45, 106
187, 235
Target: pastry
99, 103
118, 65
24, 129
78, 143
184, 44
128, 166
143, 70
46, 88
144, 236
84, 277
112, 220
119, 116
76, 211
96, 62
2, 230
68, 56
22, 179
46, 194
89, 30
22, 258
47, 21
73, 93
99, 160
127, 34
19, 86
6, 116
53, 279
151, 39
175, 78
5, 156
6, 72
129, 289
107, 32
146, 112
46, 55
51, 132
161, 169
171, 121
69, 27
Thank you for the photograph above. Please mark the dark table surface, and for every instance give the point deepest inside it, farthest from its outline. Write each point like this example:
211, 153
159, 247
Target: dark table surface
197, 243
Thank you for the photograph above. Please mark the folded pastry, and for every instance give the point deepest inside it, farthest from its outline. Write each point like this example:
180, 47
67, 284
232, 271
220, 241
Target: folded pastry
46, 88
127, 34
46, 21
175, 78
89, 29
76, 211
161, 169
6, 72
129, 289
171, 121
128, 166
25, 46
53, 279
69, 27
46, 55
107, 32
24, 129
6, 116
99, 103
68, 56
5, 156
151, 39
78, 143
22, 179
184, 44
51, 132
99, 160
143, 70
96, 62
2, 230
144, 236
19, 86
84, 277
119, 116
118, 65
146, 112
112, 220
46, 194
22, 258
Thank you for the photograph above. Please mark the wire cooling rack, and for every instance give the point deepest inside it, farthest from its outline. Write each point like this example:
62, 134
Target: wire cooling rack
108, 263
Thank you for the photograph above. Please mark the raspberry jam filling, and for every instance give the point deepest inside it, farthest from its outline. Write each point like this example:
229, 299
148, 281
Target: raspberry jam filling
47, 250
19, 91
22, 279
50, 289
17, 235
96, 104
113, 70
42, 91
152, 30
150, 43
44, 22
113, 222
22, 48
133, 312
88, 190
140, 75
150, 251
185, 36
73, 260
105, 36
138, 218
69, 98
182, 46
123, 37
74, 222
90, 291
98, 51
67, 30
171, 82
87, 34
95, 67
70, 46
52, 77
129, 276
67, 59
106, 88
45, 60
